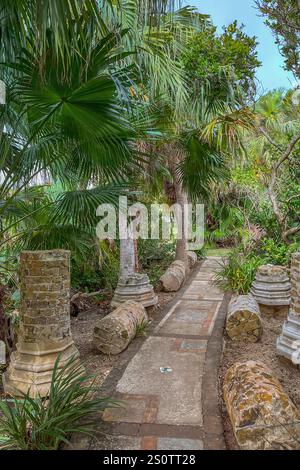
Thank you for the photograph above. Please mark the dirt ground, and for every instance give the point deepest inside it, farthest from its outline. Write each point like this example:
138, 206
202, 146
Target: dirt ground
264, 351
96, 363
82, 326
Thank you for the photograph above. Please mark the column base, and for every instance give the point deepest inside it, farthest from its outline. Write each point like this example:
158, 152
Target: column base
288, 343
32, 373
136, 288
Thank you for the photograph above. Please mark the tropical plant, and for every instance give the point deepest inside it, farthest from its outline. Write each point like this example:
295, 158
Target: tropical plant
47, 423
237, 272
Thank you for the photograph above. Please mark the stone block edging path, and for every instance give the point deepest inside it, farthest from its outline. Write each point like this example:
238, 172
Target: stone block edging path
168, 381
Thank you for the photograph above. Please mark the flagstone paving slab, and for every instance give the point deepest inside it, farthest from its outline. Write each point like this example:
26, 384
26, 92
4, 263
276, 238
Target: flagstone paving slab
114, 442
178, 444
178, 390
191, 317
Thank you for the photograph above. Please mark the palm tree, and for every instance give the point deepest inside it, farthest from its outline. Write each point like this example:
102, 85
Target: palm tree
79, 78
64, 114
73, 111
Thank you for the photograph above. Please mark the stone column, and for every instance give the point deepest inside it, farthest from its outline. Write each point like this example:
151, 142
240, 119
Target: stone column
288, 344
131, 285
272, 290
44, 322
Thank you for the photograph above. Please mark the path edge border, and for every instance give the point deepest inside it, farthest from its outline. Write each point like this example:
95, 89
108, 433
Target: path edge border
211, 388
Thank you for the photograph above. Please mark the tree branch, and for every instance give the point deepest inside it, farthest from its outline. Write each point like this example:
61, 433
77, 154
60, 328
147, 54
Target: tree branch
292, 231
296, 196
269, 138
81, 295
288, 151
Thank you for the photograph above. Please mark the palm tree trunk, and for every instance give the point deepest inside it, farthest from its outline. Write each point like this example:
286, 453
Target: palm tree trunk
182, 201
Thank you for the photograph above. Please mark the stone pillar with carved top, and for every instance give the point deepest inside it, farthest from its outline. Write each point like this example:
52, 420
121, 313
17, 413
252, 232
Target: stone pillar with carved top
288, 343
44, 332
132, 285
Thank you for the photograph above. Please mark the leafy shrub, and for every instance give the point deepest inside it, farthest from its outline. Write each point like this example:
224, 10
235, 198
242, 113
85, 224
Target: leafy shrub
155, 256
277, 253
85, 277
238, 272
99, 271
110, 273
44, 424
201, 253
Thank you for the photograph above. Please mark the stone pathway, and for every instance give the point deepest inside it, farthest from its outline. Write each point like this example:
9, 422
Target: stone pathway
170, 385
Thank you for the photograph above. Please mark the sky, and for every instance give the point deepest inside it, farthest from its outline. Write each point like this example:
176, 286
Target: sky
271, 74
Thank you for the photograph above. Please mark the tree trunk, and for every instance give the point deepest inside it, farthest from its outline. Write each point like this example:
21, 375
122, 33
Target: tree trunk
182, 201
285, 156
2, 315
280, 217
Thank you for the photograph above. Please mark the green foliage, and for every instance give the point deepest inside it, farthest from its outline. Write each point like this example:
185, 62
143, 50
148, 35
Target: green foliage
155, 256
44, 424
86, 277
274, 252
110, 273
225, 223
99, 269
141, 329
203, 166
238, 272
208, 56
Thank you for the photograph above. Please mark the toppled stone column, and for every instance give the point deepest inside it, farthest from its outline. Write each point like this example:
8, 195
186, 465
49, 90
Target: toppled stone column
272, 290
288, 344
192, 258
243, 319
261, 413
113, 333
174, 277
44, 322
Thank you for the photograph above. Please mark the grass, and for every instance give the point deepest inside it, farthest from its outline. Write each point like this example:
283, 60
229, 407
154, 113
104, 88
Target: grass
142, 328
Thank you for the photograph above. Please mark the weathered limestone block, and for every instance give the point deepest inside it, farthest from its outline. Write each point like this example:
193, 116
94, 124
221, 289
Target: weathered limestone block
243, 319
174, 277
272, 290
113, 333
192, 258
134, 287
288, 344
44, 330
261, 413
